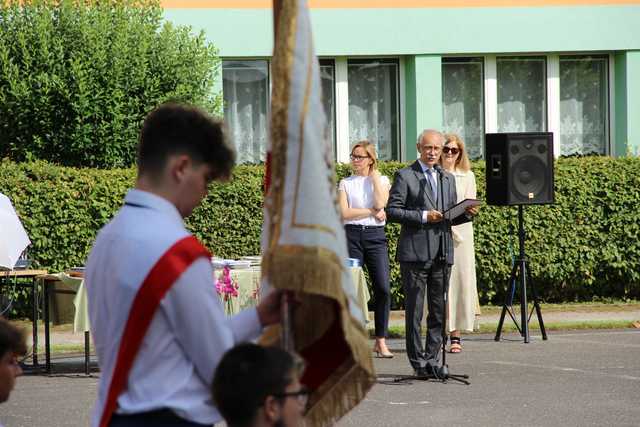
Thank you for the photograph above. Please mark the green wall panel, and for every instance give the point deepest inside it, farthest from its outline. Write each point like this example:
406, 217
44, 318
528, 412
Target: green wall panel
620, 107
423, 91
349, 32
633, 102
627, 103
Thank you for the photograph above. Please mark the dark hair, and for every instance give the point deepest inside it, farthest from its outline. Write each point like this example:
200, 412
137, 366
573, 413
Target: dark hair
183, 129
11, 339
246, 375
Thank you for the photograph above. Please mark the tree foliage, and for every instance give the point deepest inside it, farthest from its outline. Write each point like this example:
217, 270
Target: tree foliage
77, 77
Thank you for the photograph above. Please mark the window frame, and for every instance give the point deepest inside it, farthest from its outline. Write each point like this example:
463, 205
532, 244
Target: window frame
470, 59
552, 92
332, 62
609, 90
343, 143
545, 81
268, 60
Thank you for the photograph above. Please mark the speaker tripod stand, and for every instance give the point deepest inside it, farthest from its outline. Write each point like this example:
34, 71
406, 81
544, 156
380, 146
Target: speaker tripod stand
522, 275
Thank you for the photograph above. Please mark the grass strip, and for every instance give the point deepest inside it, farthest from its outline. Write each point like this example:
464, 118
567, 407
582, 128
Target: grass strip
486, 328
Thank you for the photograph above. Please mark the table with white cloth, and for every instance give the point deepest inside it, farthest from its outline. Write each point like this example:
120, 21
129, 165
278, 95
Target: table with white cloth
248, 281
60, 285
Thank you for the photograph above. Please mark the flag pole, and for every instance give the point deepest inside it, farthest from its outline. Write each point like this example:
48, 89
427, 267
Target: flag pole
286, 315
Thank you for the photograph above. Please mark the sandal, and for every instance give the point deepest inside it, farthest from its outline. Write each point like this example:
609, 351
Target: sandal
382, 354
456, 345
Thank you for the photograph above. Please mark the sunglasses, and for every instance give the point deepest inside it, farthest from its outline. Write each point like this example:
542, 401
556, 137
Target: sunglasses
451, 150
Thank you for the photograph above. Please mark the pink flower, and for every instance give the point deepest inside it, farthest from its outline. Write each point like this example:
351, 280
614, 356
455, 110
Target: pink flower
225, 285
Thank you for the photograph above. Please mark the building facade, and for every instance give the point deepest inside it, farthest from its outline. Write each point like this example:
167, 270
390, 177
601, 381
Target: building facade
391, 68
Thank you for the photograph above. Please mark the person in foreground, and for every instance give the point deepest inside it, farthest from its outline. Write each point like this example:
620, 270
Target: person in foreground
463, 301
158, 326
12, 345
362, 198
258, 386
415, 202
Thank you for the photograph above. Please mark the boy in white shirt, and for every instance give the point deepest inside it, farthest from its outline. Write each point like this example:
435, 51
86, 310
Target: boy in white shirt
158, 325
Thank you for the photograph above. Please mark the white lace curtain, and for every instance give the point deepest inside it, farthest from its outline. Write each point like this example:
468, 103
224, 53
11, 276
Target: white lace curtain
327, 72
583, 105
521, 94
373, 105
246, 99
462, 102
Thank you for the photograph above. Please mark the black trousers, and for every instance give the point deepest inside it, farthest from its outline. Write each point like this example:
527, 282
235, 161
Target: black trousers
369, 245
418, 279
157, 418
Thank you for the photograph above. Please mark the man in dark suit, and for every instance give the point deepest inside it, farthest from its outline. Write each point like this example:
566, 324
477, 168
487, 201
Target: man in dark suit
425, 246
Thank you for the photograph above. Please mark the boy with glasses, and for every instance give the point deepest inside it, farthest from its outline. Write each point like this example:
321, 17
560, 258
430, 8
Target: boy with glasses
258, 386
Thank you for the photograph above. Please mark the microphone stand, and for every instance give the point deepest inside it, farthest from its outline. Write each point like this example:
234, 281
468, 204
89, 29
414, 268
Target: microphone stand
443, 373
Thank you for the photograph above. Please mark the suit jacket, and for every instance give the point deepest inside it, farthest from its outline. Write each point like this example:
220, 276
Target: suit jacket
410, 194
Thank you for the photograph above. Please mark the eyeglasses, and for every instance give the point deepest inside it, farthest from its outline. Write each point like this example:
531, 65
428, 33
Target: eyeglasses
302, 395
451, 150
357, 158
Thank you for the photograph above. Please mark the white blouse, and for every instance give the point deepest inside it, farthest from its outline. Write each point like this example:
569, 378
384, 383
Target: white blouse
359, 192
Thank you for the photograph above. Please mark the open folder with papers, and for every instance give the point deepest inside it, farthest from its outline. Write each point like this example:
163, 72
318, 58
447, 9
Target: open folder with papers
457, 210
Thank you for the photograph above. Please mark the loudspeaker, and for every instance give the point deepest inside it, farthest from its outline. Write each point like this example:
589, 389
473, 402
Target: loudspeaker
519, 168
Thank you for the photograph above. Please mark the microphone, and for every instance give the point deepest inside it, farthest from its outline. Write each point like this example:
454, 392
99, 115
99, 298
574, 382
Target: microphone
438, 169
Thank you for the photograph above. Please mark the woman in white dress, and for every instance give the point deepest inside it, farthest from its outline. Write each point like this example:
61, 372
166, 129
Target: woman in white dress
463, 300
363, 197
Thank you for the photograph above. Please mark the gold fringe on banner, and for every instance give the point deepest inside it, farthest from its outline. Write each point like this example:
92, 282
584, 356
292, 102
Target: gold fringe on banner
315, 274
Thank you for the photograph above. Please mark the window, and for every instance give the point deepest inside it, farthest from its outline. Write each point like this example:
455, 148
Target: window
373, 104
462, 101
521, 94
583, 105
246, 103
327, 78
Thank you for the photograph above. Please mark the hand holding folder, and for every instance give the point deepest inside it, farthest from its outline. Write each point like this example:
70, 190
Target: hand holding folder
460, 208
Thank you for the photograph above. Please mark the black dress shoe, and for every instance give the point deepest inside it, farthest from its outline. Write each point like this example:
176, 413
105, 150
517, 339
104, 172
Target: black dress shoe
420, 372
429, 371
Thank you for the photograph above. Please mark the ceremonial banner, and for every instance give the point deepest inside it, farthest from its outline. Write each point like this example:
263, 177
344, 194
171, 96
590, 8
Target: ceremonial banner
304, 246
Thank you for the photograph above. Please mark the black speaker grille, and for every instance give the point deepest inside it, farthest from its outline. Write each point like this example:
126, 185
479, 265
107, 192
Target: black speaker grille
528, 177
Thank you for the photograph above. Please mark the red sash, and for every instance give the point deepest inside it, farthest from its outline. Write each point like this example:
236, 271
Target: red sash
159, 280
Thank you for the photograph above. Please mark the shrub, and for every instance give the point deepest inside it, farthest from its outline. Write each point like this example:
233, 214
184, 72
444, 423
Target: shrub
78, 77
585, 246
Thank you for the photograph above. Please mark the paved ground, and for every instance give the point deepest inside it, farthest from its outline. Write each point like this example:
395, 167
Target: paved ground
582, 378
589, 378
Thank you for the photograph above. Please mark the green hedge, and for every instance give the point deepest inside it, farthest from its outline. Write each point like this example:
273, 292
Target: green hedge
585, 246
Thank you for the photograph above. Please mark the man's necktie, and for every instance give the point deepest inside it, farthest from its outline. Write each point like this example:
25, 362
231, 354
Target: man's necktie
432, 181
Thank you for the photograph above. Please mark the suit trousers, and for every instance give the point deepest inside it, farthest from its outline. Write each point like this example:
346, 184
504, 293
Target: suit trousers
369, 245
418, 279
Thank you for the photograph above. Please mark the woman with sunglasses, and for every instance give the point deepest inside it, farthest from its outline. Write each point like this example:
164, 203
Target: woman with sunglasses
463, 293
363, 197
